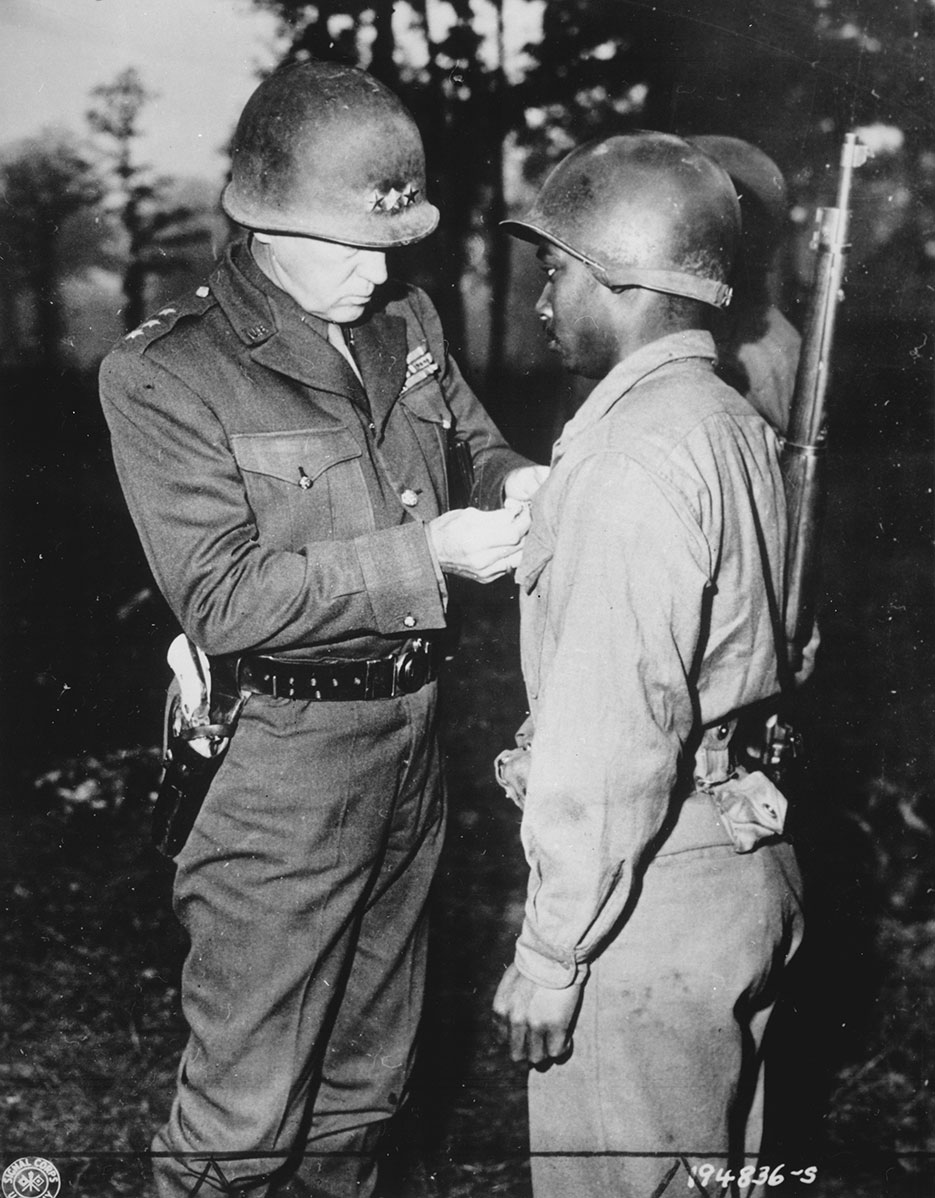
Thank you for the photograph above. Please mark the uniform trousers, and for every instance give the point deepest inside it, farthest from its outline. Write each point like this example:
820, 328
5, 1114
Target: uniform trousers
666, 1070
303, 888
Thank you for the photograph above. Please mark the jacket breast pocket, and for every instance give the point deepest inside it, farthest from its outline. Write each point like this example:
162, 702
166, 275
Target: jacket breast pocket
537, 554
533, 598
304, 485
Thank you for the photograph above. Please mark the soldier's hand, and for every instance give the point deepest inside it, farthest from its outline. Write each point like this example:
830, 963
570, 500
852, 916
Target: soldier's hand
524, 482
809, 653
480, 545
535, 1021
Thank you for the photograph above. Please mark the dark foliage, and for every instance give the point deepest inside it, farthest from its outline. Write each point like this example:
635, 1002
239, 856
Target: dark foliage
158, 234
44, 182
91, 1026
91, 1023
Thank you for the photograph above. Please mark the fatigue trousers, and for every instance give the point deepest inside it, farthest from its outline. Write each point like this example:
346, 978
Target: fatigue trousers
303, 889
665, 1074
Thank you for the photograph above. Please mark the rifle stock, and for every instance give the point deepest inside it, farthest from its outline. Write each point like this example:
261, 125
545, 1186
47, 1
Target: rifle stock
802, 458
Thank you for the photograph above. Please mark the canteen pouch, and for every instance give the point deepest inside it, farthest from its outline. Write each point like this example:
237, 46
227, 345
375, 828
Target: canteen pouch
751, 808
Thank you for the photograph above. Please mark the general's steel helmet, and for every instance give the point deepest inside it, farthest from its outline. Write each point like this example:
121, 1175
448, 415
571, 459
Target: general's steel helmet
641, 210
325, 150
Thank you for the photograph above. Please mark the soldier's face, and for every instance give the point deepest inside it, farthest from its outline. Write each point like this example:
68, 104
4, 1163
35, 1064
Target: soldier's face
329, 280
577, 314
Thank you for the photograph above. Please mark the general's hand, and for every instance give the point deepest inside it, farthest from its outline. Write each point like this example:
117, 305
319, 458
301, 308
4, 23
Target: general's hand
479, 545
524, 482
536, 1021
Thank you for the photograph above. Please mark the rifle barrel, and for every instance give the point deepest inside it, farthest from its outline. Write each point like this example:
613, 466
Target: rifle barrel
802, 465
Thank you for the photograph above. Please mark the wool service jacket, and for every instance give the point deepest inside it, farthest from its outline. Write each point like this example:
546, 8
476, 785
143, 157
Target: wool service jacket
281, 501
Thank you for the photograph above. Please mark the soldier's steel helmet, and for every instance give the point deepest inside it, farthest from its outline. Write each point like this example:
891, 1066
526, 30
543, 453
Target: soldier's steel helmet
325, 150
641, 210
753, 172
761, 188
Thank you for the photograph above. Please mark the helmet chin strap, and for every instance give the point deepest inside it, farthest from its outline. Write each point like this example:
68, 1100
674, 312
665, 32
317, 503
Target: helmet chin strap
669, 282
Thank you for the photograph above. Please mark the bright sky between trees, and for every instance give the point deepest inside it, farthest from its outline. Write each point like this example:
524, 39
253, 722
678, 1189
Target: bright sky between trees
200, 56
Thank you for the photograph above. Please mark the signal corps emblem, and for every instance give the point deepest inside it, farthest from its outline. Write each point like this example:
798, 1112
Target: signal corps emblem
30, 1177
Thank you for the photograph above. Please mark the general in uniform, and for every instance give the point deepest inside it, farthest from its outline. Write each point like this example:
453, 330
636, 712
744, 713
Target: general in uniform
281, 435
663, 901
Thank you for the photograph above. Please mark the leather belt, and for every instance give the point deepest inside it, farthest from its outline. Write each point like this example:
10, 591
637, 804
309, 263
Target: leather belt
401, 673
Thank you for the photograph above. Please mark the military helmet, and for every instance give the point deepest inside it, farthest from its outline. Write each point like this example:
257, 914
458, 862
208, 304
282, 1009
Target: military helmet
325, 150
761, 188
641, 210
754, 174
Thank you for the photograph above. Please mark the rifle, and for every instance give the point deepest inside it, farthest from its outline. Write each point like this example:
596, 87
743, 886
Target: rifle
802, 457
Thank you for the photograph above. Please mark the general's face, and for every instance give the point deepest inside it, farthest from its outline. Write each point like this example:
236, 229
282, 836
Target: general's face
329, 280
577, 313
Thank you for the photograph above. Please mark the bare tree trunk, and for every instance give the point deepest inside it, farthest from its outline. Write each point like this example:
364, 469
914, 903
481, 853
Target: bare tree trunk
382, 64
446, 170
11, 348
135, 274
498, 245
134, 292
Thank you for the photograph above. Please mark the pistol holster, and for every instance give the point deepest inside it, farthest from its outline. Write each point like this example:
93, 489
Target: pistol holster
187, 773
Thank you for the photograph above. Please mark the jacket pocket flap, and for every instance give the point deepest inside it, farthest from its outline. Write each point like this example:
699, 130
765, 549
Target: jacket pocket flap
292, 456
536, 556
427, 402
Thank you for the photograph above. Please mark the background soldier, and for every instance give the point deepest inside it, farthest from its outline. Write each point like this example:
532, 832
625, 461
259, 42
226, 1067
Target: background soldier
662, 900
281, 439
758, 348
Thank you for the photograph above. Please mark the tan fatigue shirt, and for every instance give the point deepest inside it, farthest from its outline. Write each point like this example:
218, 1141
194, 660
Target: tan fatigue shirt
649, 587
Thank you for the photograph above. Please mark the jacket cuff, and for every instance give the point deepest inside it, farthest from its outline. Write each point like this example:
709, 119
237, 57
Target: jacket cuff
400, 580
554, 973
437, 567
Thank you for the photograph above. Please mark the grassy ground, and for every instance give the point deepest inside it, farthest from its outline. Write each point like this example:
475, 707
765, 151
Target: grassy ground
90, 1029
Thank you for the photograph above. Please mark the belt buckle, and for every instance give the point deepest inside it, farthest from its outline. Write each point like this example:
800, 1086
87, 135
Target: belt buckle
411, 669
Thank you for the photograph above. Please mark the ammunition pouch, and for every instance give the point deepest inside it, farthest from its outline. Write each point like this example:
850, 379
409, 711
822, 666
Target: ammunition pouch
750, 806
